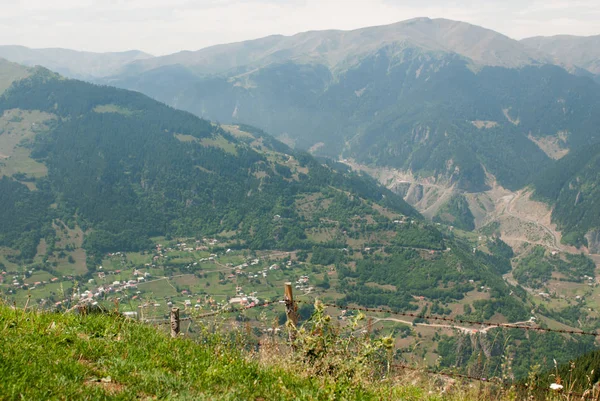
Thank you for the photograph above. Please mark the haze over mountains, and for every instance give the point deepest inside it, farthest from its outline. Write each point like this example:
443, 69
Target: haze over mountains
455, 120
334, 48
339, 50
433, 99
581, 51
72, 63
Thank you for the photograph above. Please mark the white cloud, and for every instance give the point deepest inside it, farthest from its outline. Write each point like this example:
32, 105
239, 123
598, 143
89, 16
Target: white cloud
165, 26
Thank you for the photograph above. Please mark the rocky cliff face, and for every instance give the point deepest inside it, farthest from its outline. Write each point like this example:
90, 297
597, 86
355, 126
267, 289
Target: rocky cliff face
593, 239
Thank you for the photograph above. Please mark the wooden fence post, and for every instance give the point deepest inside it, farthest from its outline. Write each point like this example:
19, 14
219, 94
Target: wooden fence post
175, 322
291, 310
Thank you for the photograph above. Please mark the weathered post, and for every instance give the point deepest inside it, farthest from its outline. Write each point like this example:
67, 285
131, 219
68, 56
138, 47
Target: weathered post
175, 322
291, 310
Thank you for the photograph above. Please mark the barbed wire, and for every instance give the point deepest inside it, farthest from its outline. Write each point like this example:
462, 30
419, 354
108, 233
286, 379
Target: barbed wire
493, 380
452, 375
215, 313
462, 321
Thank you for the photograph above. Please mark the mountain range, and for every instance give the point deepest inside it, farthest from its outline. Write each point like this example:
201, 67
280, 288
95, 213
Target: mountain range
579, 51
90, 171
72, 63
441, 101
122, 170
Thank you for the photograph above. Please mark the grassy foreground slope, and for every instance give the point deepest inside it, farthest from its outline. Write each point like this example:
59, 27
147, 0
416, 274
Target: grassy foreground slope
52, 356
94, 357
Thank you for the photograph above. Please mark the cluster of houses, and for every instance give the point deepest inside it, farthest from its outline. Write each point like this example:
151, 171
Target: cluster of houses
591, 281
247, 300
302, 284
117, 286
100, 286
253, 262
161, 251
207, 301
238, 269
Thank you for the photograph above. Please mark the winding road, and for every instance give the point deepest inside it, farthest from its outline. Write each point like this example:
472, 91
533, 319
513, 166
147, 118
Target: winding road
465, 330
508, 209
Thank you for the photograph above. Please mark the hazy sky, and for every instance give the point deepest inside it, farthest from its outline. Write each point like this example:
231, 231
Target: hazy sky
166, 26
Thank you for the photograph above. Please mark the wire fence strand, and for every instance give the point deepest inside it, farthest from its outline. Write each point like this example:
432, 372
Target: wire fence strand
452, 375
462, 321
214, 313
494, 380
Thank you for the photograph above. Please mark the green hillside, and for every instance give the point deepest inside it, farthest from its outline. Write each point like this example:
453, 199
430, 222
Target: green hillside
131, 168
122, 170
104, 356
456, 213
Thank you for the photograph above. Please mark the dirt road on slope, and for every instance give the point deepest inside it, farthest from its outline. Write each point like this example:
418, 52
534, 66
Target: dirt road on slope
509, 210
465, 330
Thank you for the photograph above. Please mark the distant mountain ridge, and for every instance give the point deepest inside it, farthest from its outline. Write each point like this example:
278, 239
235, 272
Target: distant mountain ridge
581, 51
340, 49
72, 63
336, 49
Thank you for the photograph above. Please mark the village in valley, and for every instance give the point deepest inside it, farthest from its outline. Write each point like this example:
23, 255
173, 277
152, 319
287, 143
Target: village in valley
195, 276
218, 281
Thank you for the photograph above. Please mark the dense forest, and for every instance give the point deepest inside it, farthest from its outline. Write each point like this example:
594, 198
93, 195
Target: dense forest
580, 371
25, 216
456, 213
535, 268
572, 185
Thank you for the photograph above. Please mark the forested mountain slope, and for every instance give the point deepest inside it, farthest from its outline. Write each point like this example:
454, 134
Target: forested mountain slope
572, 185
435, 97
129, 168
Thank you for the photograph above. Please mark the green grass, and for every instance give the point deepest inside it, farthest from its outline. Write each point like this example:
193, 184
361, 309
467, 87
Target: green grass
11, 72
4, 252
113, 108
18, 127
220, 142
100, 357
